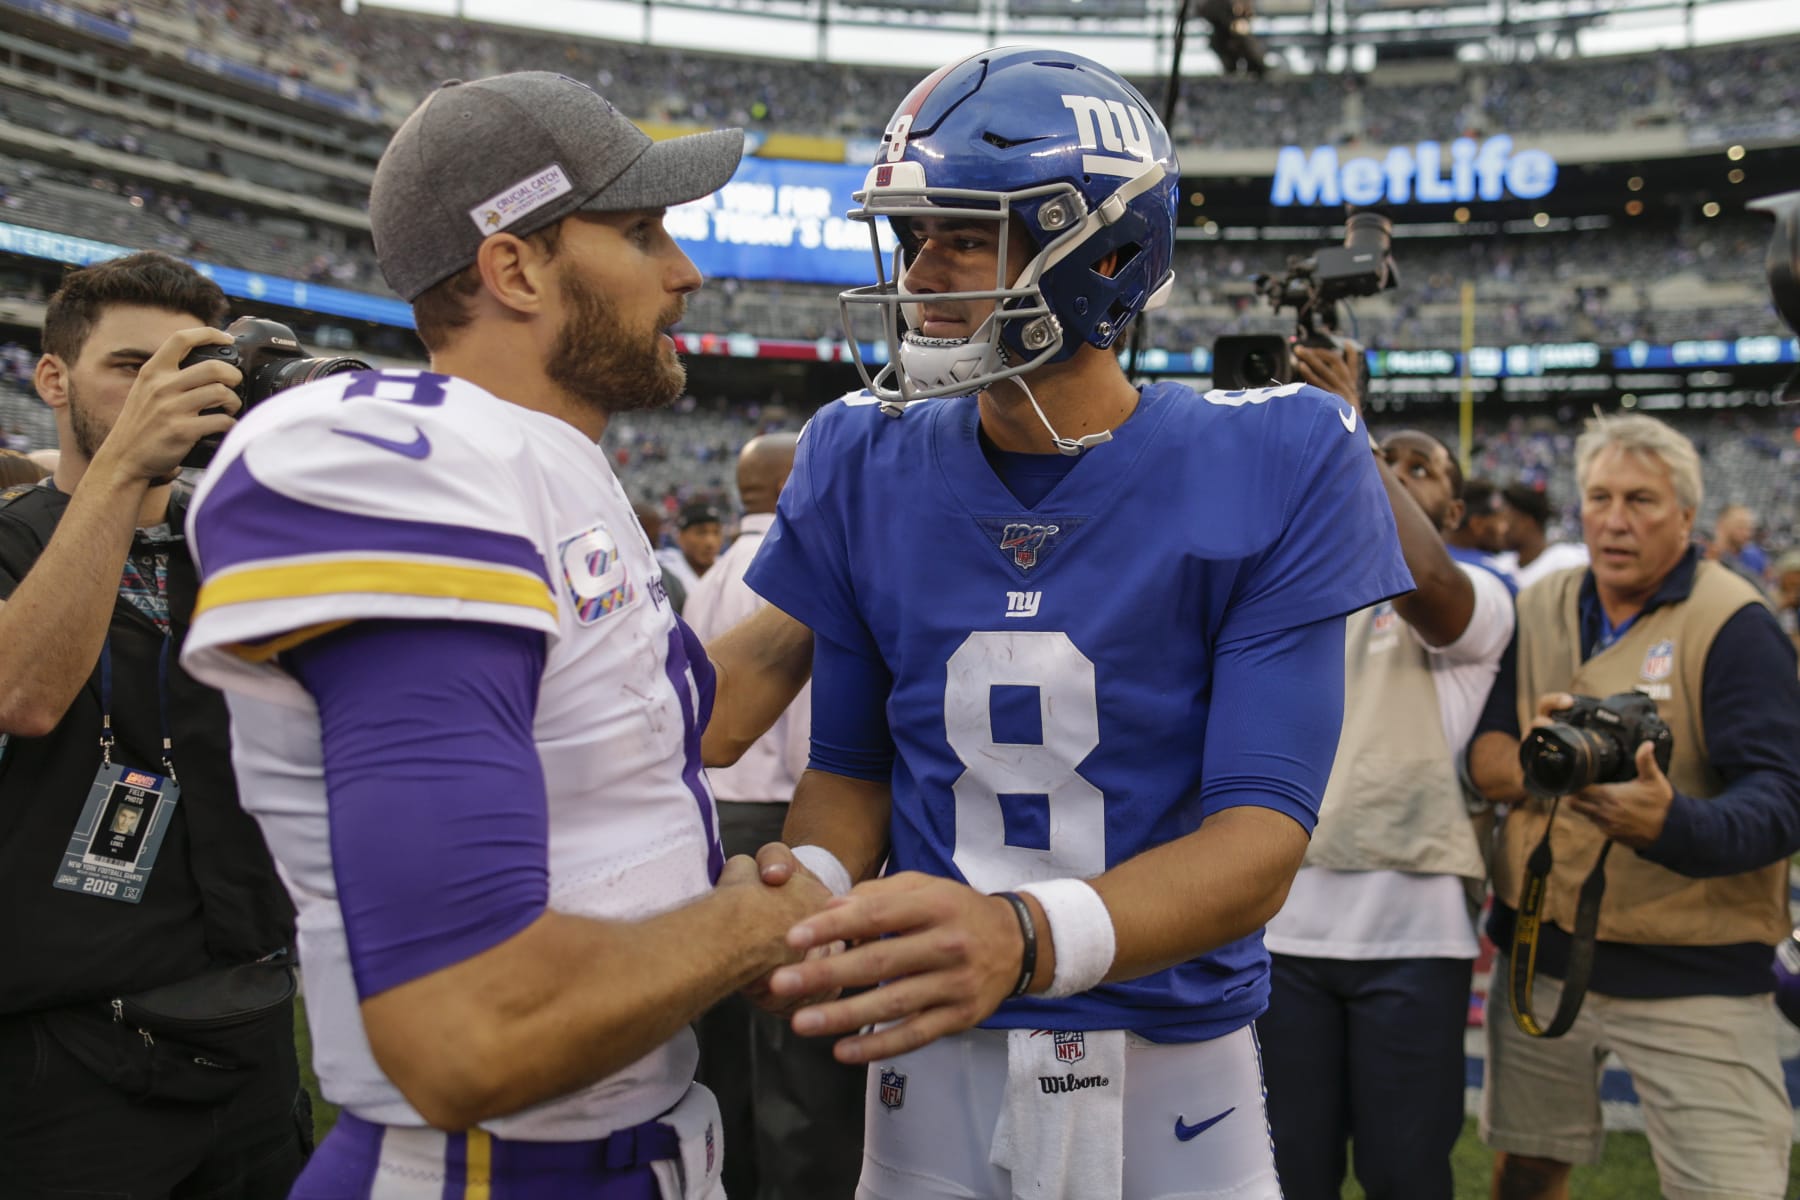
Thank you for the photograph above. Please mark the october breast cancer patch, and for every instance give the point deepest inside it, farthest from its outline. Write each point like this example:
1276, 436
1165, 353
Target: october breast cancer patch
595, 574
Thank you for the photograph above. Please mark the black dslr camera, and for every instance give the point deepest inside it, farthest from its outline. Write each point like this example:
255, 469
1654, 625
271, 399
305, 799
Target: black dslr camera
1782, 264
272, 360
1312, 287
1593, 741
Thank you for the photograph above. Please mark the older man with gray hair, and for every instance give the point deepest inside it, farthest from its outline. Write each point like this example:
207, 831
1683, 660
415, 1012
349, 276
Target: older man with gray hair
1676, 953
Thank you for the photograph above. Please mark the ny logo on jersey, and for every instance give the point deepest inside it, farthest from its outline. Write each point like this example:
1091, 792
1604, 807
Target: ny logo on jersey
1115, 127
1025, 542
1023, 604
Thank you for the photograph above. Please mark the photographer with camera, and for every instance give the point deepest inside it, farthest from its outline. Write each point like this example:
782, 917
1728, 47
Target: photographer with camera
1373, 950
1691, 764
146, 1008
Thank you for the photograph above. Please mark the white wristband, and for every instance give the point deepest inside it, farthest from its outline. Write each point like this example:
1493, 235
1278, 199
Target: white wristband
825, 865
1081, 932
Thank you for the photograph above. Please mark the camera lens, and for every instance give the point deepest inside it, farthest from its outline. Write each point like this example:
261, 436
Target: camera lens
295, 371
1257, 367
1557, 760
1561, 759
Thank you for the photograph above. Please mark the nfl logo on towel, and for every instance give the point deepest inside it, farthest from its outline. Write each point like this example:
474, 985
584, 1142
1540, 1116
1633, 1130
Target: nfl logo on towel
893, 1089
1660, 661
1071, 1046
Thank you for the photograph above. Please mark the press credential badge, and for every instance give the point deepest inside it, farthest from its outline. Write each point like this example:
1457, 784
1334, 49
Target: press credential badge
116, 840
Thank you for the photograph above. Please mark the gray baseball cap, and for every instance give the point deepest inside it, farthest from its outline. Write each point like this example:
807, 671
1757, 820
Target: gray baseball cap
519, 152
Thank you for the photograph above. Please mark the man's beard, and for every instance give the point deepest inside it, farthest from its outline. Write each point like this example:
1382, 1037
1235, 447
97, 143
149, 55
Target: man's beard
88, 432
599, 363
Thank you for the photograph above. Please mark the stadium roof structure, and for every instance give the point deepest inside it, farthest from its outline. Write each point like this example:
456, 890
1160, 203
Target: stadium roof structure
1305, 35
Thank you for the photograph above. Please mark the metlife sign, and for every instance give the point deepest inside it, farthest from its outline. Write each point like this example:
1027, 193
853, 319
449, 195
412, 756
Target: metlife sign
1421, 174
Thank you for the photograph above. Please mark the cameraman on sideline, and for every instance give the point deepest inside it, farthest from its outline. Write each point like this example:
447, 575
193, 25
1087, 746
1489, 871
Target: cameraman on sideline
1696, 892
1372, 952
99, 590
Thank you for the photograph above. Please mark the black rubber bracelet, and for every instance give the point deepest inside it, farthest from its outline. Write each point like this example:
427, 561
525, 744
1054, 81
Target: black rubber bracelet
1028, 931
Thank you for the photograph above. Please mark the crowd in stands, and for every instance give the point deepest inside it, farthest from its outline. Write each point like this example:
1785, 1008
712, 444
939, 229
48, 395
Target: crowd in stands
1596, 285
1591, 286
1749, 457
685, 453
393, 58
190, 222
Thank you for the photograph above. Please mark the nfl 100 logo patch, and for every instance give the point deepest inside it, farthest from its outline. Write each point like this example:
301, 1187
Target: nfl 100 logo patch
1071, 1045
893, 1089
595, 574
1660, 661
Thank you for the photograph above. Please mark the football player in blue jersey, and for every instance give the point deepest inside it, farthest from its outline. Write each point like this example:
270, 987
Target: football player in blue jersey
1078, 667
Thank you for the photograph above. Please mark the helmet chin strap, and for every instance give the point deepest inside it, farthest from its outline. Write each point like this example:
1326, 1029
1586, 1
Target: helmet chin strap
1068, 446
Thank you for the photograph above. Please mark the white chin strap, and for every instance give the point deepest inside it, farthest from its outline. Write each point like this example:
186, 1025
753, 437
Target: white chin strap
1068, 446
941, 362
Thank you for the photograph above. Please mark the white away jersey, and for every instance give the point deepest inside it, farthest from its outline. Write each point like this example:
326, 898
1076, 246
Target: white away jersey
404, 494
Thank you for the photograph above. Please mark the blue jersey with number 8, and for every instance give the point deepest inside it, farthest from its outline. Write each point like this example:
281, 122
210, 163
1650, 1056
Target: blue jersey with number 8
1053, 666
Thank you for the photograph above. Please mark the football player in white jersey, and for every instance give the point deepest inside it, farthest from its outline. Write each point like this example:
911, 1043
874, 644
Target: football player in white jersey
463, 711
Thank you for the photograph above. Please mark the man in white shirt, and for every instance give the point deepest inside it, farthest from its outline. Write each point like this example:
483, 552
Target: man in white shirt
792, 1113
1530, 554
1373, 950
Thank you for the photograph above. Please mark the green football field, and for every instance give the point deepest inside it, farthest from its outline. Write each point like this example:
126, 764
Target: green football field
1625, 1174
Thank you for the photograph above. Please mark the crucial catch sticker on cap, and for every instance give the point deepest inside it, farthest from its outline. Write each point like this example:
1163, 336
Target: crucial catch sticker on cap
521, 199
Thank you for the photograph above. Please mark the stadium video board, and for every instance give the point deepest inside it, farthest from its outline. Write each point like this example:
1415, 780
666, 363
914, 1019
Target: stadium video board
781, 220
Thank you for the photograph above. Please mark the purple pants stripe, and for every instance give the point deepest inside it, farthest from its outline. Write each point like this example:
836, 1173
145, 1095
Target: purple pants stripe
349, 1160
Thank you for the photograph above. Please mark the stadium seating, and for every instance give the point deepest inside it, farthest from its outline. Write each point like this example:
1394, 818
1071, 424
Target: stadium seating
395, 57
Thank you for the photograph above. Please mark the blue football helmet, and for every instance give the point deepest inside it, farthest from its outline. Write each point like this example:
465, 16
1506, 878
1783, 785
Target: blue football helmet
1072, 152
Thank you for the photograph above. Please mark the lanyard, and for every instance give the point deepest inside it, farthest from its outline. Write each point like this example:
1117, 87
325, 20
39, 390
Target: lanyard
1522, 956
162, 703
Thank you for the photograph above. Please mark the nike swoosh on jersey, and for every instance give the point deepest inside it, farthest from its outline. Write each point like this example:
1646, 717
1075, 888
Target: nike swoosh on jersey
1348, 417
418, 448
1187, 1133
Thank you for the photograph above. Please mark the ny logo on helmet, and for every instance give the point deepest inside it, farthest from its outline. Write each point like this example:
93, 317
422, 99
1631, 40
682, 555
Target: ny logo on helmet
1113, 126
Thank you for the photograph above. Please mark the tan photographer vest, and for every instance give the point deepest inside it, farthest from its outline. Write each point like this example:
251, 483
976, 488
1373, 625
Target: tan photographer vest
1663, 653
1393, 802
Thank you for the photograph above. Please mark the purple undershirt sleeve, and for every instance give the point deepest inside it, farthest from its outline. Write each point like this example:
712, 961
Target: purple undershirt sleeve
435, 793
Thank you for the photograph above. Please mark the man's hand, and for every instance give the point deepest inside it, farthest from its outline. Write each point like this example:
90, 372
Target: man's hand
1334, 371
792, 900
165, 412
947, 955
1630, 813
777, 865
1548, 704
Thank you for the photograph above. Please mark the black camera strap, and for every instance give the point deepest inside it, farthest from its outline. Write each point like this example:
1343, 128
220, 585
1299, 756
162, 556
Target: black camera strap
1522, 957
